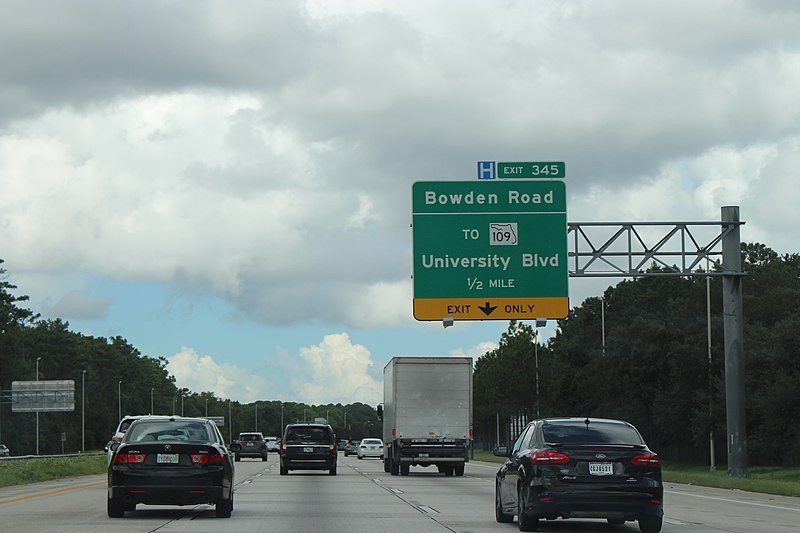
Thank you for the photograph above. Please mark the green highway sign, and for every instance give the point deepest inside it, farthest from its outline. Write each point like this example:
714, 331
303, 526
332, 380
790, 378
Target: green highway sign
490, 250
552, 169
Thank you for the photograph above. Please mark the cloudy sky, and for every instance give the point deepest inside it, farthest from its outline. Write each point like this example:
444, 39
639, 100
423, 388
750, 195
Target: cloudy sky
228, 184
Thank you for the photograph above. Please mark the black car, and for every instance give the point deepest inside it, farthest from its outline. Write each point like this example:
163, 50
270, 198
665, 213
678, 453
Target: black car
308, 447
579, 468
171, 461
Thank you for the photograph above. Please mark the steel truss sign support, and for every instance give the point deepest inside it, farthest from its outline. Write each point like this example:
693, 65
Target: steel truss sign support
620, 249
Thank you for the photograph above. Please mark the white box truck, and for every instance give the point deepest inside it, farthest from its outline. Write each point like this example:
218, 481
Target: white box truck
427, 413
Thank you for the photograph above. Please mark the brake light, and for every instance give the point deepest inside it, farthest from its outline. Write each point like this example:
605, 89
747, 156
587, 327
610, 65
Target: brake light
283, 447
206, 459
647, 459
549, 458
363, 446
116, 439
129, 458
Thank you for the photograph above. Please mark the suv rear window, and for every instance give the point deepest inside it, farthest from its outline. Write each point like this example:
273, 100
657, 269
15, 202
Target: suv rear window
595, 433
250, 437
308, 434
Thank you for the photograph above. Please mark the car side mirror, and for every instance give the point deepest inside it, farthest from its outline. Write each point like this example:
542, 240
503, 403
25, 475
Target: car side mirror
114, 446
501, 451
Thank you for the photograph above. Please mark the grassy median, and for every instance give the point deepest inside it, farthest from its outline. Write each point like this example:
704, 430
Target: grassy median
765, 479
19, 472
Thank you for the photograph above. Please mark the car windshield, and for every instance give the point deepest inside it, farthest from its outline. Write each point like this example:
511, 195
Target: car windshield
307, 434
168, 430
594, 433
371, 441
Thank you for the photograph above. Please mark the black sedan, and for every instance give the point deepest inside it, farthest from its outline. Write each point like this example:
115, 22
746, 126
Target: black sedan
579, 468
171, 461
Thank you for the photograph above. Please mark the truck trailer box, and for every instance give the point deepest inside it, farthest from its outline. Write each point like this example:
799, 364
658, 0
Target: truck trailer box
427, 413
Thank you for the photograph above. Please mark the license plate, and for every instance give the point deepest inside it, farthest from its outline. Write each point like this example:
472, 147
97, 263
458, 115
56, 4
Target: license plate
250, 444
424, 455
167, 458
601, 469
308, 449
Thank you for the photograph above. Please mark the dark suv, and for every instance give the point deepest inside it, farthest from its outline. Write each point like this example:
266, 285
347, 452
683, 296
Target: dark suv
308, 447
253, 445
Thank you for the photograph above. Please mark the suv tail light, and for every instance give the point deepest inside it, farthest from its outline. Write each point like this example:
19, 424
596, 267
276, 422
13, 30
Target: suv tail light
549, 458
129, 458
647, 459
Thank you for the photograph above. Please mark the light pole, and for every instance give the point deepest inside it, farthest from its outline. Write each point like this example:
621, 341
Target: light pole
173, 406
37, 406
230, 419
603, 321
119, 399
281, 419
151, 399
83, 410
206, 407
536, 356
256, 415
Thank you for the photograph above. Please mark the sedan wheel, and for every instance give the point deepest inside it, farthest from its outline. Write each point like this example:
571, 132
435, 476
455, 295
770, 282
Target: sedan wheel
224, 508
499, 515
115, 508
526, 522
650, 524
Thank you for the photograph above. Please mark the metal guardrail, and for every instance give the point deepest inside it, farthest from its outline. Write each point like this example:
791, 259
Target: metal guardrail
34, 457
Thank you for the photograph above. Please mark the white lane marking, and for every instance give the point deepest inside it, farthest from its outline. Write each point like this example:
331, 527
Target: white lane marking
427, 509
674, 522
730, 500
397, 491
376, 480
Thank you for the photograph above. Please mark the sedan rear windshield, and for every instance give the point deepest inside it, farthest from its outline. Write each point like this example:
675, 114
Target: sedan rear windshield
593, 433
302, 435
168, 430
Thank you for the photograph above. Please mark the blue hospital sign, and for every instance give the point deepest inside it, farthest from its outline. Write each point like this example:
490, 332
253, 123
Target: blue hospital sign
487, 170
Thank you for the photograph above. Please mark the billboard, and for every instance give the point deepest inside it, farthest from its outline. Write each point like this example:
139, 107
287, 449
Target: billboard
42, 396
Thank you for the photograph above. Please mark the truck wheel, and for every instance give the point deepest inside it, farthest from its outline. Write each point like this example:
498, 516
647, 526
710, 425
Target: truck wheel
404, 469
459, 469
386, 464
448, 470
394, 468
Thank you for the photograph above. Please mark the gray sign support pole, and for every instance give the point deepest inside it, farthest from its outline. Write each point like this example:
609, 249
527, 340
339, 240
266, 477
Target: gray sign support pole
734, 352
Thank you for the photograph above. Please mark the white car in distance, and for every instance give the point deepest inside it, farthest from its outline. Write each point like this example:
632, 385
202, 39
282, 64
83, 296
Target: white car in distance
370, 448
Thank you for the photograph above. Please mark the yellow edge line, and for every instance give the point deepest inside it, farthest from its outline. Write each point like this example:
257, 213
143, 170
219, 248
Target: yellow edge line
50, 493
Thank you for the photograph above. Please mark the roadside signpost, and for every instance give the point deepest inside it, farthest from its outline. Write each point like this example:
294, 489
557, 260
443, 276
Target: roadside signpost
490, 250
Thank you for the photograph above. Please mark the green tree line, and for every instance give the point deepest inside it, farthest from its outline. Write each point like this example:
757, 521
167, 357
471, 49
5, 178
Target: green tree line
654, 370
101, 368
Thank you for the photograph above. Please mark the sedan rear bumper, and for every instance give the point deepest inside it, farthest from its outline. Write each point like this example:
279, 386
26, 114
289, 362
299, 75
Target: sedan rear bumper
169, 495
594, 504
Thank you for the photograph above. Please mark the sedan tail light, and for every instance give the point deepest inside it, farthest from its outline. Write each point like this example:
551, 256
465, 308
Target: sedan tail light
647, 459
549, 458
206, 459
129, 458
